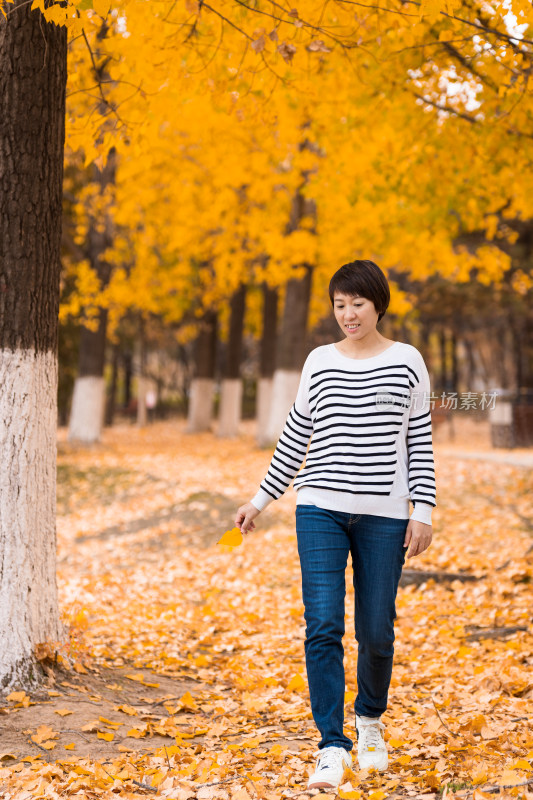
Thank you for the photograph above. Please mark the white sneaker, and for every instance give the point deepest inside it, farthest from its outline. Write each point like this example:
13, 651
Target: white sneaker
371, 747
330, 766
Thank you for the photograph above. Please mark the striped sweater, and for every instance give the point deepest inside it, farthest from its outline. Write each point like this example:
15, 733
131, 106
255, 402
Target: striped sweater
363, 427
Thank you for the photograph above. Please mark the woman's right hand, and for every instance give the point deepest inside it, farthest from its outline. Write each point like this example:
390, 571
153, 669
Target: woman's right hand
245, 515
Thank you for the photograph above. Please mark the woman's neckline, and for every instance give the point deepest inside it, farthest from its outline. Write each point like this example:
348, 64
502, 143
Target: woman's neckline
368, 358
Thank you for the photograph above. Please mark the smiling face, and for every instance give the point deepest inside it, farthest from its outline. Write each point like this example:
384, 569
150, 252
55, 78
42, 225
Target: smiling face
357, 316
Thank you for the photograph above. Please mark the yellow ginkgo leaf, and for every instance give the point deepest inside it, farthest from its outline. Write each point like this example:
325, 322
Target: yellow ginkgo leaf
48, 745
510, 777
16, 697
396, 742
296, 684
127, 709
63, 712
188, 701
232, 538
135, 733
107, 736
521, 763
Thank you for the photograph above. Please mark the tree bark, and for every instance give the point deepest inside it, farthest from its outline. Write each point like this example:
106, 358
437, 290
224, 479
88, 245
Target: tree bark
142, 417
88, 402
202, 389
267, 359
127, 359
111, 404
455, 363
292, 349
33, 72
443, 361
267, 356
292, 346
231, 389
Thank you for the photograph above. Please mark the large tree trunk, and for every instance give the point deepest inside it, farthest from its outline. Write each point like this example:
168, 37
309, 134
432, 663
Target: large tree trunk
267, 359
33, 71
88, 401
203, 384
229, 414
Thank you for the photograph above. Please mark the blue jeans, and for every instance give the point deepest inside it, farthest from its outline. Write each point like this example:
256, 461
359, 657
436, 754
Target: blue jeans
376, 543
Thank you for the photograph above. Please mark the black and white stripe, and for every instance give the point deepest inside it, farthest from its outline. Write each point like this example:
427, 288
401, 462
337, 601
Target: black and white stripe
354, 442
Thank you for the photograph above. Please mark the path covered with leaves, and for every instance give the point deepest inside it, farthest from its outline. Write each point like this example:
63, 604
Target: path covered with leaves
184, 674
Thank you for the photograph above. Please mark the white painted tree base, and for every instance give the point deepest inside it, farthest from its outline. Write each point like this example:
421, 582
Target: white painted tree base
87, 412
262, 406
230, 407
201, 405
284, 390
28, 591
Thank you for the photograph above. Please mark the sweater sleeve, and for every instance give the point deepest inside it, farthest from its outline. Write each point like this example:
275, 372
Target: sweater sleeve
421, 466
291, 447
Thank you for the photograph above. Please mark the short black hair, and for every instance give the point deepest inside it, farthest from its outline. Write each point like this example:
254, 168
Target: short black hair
363, 279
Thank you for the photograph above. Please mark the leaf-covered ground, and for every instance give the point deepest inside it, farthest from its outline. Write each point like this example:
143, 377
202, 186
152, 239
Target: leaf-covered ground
184, 674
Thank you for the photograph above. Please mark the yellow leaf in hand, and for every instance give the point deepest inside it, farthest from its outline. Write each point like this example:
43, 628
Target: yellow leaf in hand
232, 538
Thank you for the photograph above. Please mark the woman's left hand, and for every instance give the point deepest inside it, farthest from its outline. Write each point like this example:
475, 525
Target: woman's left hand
417, 537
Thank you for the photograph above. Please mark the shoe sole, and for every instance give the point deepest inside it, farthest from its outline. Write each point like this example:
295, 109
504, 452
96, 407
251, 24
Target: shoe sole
321, 785
378, 769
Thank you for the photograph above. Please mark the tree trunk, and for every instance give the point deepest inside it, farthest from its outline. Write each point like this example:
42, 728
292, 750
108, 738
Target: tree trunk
127, 359
88, 401
141, 379
455, 363
203, 384
292, 350
292, 347
267, 359
443, 361
527, 371
111, 404
33, 71
231, 389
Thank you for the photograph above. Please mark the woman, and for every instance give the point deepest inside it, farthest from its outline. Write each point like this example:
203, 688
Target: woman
364, 404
